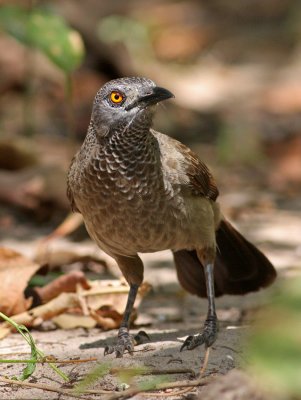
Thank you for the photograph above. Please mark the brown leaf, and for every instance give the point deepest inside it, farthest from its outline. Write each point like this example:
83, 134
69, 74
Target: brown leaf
71, 321
106, 322
109, 297
112, 293
15, 272
66, 283
37, 315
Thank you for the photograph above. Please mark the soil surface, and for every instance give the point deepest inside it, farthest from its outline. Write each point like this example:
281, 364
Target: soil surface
168, 315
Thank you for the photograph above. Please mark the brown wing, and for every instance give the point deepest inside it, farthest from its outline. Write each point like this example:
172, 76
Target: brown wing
200, 178
186, 168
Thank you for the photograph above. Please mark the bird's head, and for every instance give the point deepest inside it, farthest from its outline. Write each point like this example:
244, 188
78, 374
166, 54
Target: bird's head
126, 102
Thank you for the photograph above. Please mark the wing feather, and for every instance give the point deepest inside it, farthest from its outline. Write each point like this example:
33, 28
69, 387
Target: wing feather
185, 168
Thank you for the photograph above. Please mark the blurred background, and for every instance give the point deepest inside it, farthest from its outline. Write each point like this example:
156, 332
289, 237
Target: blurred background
234, 67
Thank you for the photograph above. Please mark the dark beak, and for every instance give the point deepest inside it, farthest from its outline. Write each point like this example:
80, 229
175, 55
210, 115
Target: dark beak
158, 94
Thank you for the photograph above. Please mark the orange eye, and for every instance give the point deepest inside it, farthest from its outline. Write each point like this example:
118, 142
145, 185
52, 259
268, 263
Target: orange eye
116, 97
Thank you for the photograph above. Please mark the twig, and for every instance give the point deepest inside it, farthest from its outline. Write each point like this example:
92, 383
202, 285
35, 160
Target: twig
105, 290
197, 382
205, 362
162, 386
177, 393
82, 301
154, 371
82, 360
49, 361
48, 388
202, 371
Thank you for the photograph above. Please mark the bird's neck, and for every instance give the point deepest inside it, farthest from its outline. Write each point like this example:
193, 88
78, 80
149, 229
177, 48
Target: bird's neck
131, 139
134, 144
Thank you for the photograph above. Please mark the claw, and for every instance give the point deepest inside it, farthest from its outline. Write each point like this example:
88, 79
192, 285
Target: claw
119, 353
207, 337
193, 341
187, 343
141, 337
129, 348
108, 350
125, 342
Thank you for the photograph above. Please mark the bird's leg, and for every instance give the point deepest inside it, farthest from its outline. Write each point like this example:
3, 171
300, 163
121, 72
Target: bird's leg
125, 341
209, 333
132, 269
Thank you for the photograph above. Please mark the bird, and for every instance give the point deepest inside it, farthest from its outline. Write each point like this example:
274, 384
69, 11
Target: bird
142, 191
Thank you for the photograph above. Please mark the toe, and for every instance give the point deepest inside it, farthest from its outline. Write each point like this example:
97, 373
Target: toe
119, 353
207, 337
130, 348
126, 342
119, 350
141, 337
108, 350
187, 343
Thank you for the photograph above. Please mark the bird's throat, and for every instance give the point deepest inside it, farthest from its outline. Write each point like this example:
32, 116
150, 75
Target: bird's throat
132, 139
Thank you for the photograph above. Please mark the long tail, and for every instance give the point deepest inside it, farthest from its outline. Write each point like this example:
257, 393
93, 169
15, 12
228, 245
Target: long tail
239, 267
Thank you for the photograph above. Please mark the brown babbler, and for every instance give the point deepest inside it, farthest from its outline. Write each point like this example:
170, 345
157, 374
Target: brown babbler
140, 191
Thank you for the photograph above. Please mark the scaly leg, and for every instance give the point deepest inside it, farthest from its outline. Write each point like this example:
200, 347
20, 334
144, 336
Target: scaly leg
209, 333
132, 269
125, 341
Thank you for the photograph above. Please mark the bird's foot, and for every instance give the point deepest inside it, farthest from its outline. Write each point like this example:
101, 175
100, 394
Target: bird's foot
125, 342
207, 337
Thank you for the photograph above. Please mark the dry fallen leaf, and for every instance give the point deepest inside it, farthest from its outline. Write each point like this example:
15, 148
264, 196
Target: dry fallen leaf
41, 313
112, 293
105, 320
15, 272
71, 321
105, 300
63, 284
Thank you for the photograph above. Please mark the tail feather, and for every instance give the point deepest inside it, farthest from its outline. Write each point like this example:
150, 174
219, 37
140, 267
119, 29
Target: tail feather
239, 266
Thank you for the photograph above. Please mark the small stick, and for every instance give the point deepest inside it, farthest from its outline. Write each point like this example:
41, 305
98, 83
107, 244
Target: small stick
82, 360
205, 362
177, 393
162, 386
82, 301
48, 361
48, 388
188, 389
155, 371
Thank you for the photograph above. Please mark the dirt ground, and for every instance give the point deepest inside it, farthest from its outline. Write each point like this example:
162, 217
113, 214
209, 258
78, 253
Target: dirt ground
168, 315
174, 320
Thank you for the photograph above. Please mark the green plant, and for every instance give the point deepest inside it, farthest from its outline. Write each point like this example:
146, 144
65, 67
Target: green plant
274, 347
36, 354
41, 29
